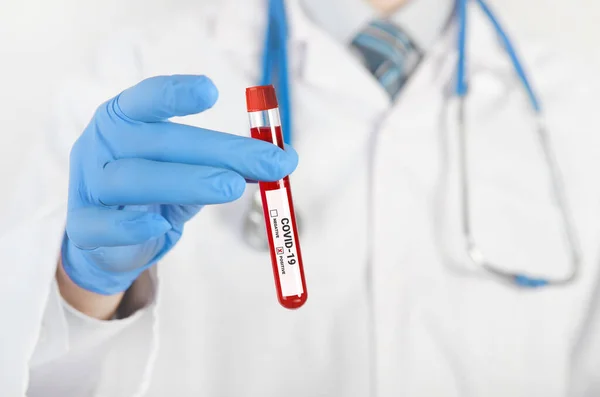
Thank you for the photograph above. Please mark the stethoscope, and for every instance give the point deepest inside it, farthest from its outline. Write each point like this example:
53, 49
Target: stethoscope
275, 70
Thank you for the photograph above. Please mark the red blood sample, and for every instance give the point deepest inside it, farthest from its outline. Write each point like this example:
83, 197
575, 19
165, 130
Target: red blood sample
278, 206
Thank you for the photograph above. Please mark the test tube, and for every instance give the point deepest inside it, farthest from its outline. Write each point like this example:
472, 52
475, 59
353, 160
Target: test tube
278, 207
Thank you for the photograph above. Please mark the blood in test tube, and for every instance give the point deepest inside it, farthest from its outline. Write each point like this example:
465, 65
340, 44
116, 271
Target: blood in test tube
278, 206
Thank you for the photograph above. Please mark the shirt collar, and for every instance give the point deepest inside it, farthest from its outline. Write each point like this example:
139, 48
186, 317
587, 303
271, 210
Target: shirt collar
342, 19
422, 20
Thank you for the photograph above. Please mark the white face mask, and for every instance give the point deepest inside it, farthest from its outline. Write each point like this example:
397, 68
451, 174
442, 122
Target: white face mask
422, 20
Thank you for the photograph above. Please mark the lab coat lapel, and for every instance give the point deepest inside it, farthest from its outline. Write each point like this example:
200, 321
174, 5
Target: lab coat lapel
336, 101
316, 59
322, 62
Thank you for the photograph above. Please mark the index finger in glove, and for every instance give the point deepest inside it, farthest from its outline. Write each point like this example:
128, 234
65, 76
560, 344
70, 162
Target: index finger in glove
162, 97
177, 143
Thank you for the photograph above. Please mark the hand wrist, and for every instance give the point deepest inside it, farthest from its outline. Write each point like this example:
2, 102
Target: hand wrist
99, 306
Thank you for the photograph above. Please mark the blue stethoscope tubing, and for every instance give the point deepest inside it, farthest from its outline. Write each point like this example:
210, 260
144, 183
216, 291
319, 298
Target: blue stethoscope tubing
275, 70
558, 189
275, 67
461, 83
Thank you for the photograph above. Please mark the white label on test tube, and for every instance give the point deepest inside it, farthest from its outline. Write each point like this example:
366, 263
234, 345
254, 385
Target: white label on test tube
284, 242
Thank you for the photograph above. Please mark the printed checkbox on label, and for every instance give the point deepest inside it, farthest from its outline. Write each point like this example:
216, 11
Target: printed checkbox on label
273, 213
279, 250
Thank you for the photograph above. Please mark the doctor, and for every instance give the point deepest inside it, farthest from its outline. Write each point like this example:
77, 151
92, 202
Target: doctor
104, 292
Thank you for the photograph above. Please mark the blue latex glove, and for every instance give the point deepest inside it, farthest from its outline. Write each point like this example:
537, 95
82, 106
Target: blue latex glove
135, 179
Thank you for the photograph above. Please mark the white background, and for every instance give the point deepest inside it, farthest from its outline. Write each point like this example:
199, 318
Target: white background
40, 39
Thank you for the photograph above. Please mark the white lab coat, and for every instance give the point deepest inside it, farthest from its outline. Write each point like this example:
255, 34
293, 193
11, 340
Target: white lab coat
393, 308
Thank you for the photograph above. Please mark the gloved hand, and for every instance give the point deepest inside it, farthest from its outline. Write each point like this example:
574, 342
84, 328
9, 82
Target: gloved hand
136, 178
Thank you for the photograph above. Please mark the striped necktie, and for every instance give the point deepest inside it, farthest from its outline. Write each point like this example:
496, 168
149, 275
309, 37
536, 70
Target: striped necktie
388, 53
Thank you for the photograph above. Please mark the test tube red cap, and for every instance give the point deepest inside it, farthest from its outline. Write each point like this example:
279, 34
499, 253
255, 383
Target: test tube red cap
261, 97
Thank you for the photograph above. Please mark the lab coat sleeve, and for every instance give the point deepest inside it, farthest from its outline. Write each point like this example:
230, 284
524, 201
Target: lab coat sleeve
74, 344
46, 348
47, 344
